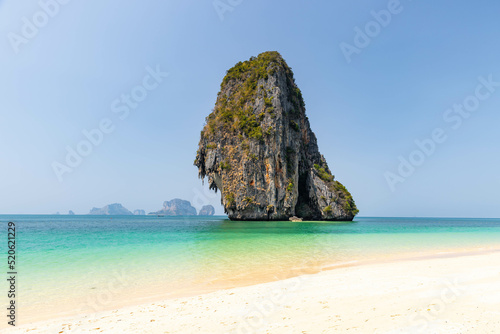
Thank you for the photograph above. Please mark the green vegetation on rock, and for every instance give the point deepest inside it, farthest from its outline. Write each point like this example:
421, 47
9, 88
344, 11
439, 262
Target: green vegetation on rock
349, 204
335, 186
248, 199
225, 165
230, 199
236, 114
323, 174
295, 126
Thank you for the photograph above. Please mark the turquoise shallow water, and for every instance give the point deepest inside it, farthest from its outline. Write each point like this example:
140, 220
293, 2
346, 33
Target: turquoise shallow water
70, 264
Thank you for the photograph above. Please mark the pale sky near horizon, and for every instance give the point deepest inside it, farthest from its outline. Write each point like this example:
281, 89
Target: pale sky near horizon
69, 75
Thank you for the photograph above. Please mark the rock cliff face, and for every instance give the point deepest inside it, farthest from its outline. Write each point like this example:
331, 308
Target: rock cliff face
139, 212
207, 210
176, 207
111, 209
258, 149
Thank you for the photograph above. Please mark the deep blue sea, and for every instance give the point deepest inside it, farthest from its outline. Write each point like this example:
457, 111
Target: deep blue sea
75, 264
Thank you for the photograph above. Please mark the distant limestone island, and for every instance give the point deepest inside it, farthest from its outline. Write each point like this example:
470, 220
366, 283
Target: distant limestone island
111, 209
207, 210
175, 207
180, 207
258, 149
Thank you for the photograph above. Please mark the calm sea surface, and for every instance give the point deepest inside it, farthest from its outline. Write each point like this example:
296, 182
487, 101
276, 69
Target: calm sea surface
73, 264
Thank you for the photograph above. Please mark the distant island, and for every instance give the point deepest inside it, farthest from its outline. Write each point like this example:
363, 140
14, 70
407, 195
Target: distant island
207, 210
111, 209
258, 149
175, 207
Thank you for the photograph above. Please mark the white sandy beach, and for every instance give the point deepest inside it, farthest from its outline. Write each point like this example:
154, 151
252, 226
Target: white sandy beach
434, 295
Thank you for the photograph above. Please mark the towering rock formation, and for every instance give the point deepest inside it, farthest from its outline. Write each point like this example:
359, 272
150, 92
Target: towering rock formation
207, 210
139, 212
258, 149
176, 207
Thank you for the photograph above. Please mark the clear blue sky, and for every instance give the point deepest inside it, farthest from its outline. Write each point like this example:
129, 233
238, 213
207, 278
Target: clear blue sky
365, 113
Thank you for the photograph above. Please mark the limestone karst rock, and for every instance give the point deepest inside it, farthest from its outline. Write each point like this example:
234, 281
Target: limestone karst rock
111, 209
207, 210
176, 207
258, 149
